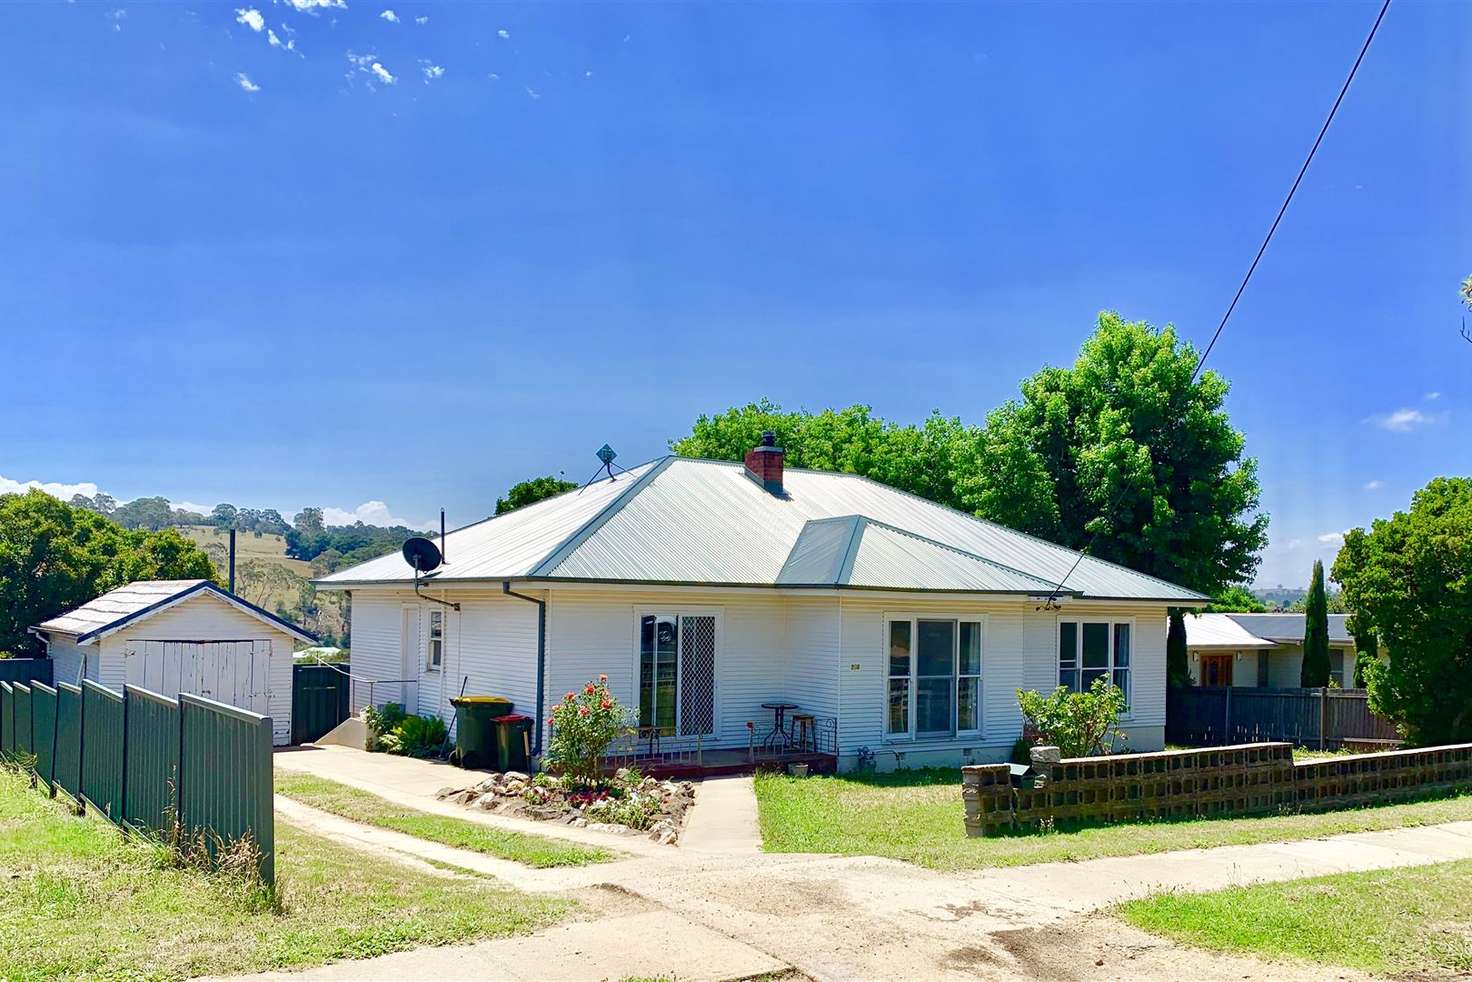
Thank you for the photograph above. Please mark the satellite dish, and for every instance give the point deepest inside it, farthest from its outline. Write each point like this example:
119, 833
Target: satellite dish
421, 554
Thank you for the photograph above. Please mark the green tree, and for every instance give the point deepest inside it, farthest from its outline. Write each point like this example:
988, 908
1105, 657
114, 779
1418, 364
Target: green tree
1409, 580
1079, 724
1124, 449
1315, 670
223, 515
54, 557
1235, 600
1366, 650
1177, 659
534, 490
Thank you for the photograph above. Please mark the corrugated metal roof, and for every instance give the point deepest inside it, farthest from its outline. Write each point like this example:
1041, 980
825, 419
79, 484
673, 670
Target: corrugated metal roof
1289, 627
680, 520
1220, 631
140, 599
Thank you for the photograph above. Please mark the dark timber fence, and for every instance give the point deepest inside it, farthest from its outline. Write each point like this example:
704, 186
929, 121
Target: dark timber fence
25, 670
319, 700
1228, 715
187, 766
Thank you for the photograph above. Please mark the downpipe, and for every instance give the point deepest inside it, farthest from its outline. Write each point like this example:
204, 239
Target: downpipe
541, 657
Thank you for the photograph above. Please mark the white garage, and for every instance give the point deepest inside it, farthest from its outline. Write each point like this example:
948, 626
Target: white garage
173, 636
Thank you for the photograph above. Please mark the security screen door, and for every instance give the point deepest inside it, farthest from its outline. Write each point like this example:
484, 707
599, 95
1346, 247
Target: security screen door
677, 673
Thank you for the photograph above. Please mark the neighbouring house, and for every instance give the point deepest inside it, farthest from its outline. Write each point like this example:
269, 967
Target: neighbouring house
1263, 651
709, 592
173, 636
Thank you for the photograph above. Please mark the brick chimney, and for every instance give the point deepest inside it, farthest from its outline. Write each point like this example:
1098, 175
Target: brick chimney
764, 463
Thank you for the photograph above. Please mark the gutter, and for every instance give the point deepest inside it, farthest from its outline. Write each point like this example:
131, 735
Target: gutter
541, 655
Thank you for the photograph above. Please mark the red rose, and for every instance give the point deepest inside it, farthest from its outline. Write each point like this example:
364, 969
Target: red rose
606, 704
569, 697
582, 710
603, 679
589, 688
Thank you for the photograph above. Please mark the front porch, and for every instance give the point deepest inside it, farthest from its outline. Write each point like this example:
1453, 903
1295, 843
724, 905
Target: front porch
800, 738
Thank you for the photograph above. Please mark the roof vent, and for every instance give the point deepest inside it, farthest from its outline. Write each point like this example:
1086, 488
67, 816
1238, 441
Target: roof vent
764, 463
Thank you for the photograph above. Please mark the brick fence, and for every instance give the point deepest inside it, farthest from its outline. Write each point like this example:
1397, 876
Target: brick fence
1249, 779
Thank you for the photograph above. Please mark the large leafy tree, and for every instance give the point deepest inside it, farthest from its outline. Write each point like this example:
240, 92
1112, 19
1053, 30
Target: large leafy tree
1235, 600
531, 491
1125, 451
55, 556
1314, 672
1408, 580
920, 459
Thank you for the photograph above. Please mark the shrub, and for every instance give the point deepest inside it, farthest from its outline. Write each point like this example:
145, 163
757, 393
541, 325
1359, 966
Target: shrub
637, 810
382, 721
1080, 724
416, 736
1021, 751
583, 726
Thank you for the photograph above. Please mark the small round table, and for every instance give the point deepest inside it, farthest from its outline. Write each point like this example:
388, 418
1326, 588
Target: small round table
779, 717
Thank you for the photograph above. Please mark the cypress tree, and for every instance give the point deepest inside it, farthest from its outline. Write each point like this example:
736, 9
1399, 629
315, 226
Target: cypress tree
1315, 673
1177, 666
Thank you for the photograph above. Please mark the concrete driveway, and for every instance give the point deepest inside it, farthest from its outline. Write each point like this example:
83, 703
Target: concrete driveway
831, 917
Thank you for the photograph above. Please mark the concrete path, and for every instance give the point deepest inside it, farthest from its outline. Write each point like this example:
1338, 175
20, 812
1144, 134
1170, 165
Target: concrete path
724, 819
835, 917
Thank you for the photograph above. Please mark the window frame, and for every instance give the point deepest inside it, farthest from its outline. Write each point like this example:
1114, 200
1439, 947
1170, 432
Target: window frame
678, 611
430, 665
912, 734
1109, 670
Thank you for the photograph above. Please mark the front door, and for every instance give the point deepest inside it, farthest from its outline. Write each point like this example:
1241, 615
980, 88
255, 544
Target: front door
1216, 669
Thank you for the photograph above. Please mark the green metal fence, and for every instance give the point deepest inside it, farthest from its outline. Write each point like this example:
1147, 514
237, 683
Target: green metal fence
188, 766
103, 712
68, 765
43, 731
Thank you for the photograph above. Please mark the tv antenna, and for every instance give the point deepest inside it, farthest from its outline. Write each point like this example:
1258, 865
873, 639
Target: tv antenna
605, 455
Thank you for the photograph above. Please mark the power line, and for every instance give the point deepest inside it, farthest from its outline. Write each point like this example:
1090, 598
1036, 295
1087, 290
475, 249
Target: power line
1333, 111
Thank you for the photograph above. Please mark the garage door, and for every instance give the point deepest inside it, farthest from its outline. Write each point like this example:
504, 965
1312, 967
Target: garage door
237, 673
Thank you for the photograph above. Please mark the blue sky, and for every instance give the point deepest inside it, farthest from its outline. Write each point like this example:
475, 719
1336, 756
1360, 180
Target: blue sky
246, 269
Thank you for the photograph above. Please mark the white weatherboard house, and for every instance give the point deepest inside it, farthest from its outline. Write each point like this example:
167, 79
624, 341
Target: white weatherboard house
704, 589
1262, 651
173, 636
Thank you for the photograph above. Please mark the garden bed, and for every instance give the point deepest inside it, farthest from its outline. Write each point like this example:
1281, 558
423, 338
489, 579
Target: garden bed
627, 803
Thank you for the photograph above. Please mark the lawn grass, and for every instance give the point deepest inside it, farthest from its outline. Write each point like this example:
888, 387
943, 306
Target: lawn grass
917, 816
370, 809
1405, 922
82, 900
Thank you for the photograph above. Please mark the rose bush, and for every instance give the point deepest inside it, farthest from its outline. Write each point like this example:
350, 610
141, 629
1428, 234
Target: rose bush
583, 726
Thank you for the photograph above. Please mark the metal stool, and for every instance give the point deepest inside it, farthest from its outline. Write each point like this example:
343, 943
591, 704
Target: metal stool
806, 729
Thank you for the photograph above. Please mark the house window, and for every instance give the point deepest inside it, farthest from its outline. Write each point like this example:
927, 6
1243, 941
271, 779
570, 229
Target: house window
1090, 650
1336, 666
434, 656
933, 687
677, 666
1262, 669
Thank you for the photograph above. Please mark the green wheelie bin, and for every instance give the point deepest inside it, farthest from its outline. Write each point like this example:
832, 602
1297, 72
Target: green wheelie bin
513, 742
475, 729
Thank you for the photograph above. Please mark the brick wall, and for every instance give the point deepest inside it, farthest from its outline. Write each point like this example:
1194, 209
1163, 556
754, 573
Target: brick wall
1250, 779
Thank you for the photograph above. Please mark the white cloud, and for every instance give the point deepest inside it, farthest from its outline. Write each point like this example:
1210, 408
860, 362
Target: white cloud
431, 70
1432, 396
276, 42
532, 92
192, 506
421, 21
1332, 538
389, 16
1407, 419
369, 513
251, 18
56, 490
504, 34
243, 80
494, 77
382, 73
1374, 485
312, 6
117, 17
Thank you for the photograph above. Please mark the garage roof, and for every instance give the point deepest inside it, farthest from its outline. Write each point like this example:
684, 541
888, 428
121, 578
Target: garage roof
129, 604
684, 521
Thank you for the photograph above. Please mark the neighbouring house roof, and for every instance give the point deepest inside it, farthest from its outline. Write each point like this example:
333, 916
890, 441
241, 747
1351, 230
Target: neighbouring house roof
1256, 630
1220, 631
137, 601
1289, 627
704, 522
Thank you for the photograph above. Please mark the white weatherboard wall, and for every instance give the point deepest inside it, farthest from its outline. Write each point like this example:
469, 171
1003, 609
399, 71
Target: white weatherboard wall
1019, 651
69, 660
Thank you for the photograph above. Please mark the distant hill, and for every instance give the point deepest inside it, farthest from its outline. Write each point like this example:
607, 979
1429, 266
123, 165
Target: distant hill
267, 577
1280, 596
